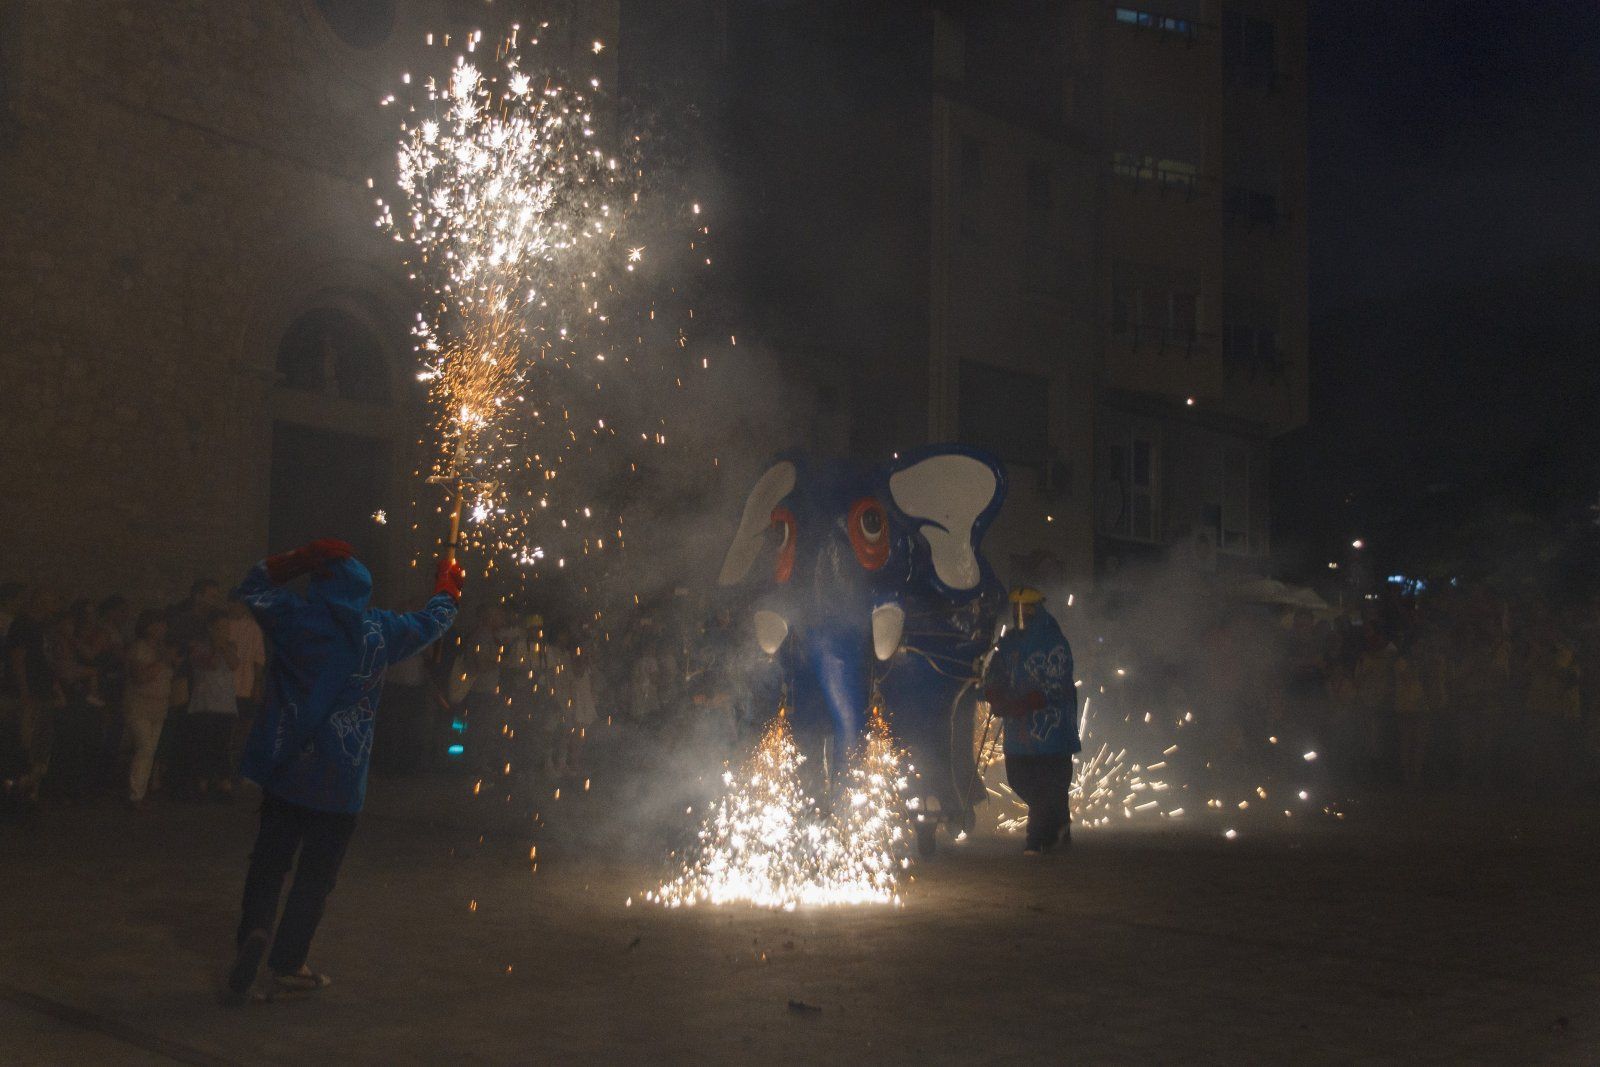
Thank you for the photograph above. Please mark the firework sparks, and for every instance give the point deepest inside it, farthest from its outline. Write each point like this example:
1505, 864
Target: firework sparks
1109, 787
766, 843
513, 219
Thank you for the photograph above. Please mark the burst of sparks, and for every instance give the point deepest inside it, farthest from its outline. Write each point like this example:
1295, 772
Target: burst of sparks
1110, 787
766, 843
512, 217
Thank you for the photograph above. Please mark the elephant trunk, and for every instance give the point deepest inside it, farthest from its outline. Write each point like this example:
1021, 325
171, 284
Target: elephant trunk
839, 660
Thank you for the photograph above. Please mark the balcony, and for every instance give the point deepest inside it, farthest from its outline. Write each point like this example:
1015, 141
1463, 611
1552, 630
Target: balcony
1166, 177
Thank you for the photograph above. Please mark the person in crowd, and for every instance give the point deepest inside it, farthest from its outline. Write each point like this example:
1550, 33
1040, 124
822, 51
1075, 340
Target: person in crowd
79, 719
113, 621
116, 614
645, 682
1554, 711
189, 620
1374, 687
31, 689
402, 745
482, 663
311, 745
251, 650
213, 709
11, 594
1411, 714
581, 710
149, 688
1029, 684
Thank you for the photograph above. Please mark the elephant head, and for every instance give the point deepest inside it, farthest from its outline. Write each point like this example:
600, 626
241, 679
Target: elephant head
842, 555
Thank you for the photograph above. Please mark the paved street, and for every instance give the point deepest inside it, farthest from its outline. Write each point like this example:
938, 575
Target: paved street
1406, 932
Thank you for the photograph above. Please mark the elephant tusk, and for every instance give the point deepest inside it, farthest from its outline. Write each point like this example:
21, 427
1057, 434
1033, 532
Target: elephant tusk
888, 624
771, 629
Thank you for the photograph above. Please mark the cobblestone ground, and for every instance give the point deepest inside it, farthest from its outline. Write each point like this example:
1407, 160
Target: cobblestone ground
1411, 931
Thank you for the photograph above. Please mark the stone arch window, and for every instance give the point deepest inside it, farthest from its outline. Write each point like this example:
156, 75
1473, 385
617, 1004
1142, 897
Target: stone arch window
331, 352
358, 23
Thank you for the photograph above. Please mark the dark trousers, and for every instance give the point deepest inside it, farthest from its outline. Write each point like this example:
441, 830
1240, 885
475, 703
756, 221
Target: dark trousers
206, 738
321, 838
1043, 783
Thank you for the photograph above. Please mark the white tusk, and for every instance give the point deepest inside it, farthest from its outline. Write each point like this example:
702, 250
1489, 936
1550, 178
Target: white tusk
771, 629
888, 624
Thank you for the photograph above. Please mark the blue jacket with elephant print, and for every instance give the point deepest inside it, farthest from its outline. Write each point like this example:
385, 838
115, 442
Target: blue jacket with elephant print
311, 743
1037, 659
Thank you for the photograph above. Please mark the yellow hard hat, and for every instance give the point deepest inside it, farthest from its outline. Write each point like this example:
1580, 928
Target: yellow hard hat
1026, 594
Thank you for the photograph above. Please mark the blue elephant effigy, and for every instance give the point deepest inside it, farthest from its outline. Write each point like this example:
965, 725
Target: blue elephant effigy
871, 588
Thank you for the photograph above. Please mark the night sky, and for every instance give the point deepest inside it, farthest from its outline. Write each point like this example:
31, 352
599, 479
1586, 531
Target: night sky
1450, 142
1455, 274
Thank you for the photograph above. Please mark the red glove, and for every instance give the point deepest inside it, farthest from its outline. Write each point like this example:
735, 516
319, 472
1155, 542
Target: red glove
291, 565
448, 578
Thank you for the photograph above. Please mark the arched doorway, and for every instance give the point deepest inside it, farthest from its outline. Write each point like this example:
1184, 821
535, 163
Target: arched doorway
335, 430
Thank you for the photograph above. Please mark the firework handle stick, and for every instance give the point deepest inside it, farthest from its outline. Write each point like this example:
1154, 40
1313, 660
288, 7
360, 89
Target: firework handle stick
455, 522
458, 479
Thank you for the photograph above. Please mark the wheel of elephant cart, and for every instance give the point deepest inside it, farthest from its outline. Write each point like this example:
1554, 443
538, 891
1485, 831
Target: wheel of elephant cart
927, 838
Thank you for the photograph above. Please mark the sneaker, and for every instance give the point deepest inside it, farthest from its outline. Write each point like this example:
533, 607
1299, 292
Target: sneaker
1031, 851
245, 966
303, 981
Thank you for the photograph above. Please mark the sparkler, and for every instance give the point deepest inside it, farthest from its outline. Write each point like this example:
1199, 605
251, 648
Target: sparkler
513, 218
767, 843
1112, 787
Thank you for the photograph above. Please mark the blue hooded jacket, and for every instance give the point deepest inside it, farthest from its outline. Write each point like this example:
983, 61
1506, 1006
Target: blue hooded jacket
1038, 659
312, 741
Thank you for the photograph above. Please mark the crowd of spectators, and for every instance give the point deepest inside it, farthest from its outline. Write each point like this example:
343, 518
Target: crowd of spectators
1453, 689
1450, 689
101, 699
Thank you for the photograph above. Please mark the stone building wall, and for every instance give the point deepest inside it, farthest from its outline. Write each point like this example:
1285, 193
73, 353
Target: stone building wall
178, 182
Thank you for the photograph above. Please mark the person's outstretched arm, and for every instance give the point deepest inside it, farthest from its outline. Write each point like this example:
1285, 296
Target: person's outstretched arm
407, 634
262, 590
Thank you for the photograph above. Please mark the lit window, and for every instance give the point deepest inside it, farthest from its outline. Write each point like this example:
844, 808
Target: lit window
1149, 20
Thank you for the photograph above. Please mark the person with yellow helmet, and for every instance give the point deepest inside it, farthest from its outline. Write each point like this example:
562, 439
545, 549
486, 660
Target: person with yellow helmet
1030, 688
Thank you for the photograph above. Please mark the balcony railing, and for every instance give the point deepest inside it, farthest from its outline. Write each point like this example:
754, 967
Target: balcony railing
1166, 176
1161, 336
1180, 27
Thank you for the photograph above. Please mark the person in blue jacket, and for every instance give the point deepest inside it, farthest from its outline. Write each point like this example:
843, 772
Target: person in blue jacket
311, 743
1029, 685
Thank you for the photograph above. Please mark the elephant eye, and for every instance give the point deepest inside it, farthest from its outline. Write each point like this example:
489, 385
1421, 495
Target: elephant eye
783, 528
869, 533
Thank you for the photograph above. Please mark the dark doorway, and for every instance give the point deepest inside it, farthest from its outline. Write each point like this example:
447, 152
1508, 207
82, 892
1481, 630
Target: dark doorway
327, 484
329, 351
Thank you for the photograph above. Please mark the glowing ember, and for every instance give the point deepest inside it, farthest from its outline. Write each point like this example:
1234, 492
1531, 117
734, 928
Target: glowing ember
766, 843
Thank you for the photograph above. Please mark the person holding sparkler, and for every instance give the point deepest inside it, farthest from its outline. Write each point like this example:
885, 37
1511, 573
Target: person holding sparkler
1030, 688
311, 743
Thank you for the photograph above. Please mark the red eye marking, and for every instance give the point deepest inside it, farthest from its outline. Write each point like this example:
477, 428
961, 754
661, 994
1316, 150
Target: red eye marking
783, 523
869, 533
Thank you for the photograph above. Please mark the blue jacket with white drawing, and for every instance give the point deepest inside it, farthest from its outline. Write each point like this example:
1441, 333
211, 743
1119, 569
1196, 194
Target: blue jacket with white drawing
312, 740
1037, 660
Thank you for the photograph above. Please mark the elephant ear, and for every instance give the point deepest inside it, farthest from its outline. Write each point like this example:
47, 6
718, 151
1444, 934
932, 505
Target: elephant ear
777, 483
950, 494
